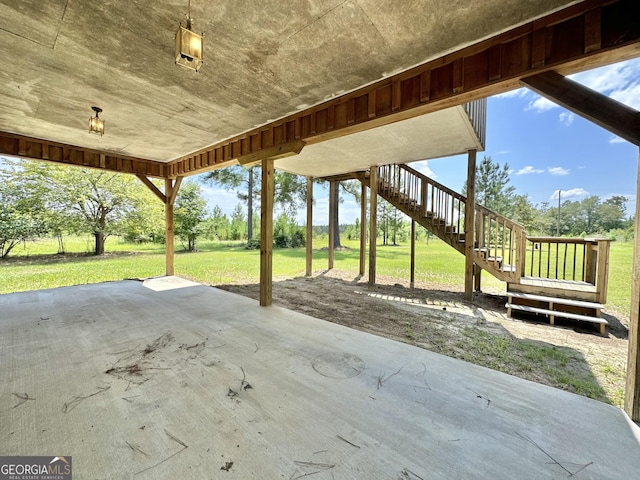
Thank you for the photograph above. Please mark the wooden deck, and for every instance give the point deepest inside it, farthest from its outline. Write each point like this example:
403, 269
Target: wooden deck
558, 288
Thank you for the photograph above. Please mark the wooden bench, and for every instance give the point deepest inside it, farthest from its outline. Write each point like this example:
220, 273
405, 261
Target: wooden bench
551, 312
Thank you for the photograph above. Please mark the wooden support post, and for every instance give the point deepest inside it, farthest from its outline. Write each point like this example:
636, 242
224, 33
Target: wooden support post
477, 275
469, 212
363, 227
413, 254
309, 269
266, 233
373, 225
632, 391
168, 225
332, 213
171, 189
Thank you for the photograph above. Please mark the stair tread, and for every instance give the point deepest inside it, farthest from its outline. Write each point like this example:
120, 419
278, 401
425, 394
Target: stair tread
556, 313
563, 301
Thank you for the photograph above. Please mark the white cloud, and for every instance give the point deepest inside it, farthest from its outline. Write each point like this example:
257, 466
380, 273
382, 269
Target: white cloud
566, 118
620, 81
611, 78
558, 171
423, 167
617, 139
503, 152
519, 92
629, 95
528, 170
540, 104
574, 192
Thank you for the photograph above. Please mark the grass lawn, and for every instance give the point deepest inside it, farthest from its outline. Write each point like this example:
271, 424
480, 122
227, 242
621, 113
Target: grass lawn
36, 265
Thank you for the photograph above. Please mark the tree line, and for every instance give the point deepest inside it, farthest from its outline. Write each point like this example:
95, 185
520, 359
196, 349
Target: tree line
39, 198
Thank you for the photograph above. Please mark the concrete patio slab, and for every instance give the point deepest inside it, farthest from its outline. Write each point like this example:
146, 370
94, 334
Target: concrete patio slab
171, 379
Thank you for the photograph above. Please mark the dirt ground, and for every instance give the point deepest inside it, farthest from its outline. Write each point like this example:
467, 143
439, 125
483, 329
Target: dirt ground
572, 356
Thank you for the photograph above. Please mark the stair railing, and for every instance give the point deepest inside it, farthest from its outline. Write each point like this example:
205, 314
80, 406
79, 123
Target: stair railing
424, 197
499, 244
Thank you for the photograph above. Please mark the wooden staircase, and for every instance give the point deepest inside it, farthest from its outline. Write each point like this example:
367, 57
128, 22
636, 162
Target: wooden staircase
554, 277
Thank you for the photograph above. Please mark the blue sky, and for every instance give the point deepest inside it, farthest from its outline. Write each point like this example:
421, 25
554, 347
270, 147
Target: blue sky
546, 147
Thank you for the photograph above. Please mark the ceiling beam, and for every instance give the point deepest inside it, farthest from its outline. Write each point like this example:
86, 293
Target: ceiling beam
585, 35
344, 176
38, 149
610, 114
279, 151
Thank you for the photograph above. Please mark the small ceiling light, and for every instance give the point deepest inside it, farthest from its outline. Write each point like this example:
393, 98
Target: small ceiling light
189, 45
96, 124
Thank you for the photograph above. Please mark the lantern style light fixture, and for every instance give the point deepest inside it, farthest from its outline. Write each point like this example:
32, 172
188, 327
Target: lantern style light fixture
189, 45
96, 124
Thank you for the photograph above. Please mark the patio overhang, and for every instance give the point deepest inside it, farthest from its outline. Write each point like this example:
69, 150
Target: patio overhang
272, 86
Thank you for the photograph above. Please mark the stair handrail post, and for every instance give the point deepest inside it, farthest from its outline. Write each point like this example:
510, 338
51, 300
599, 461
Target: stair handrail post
521, 254
590, 261
424, 196
603, 247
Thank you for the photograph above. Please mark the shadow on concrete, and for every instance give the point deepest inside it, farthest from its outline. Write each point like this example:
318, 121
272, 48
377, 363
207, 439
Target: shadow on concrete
441, 321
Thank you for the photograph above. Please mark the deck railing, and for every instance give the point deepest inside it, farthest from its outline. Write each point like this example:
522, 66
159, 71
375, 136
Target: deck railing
477, 111
573, 259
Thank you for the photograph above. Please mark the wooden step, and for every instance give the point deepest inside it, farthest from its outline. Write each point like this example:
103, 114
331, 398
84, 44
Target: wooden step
555, 313
562, 301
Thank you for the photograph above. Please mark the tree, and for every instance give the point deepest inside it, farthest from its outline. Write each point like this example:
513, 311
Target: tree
243, 181
492, 187
98, 202
384, 215
350, 188
523, 212
218, 224
290, 192
588, 216
22, 214
237, 223
290, 189
190, 213
286, 234
612, 213
81, 200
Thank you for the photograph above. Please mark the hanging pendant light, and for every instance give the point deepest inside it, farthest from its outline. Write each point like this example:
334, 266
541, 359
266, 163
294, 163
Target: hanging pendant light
96, 124
189, 45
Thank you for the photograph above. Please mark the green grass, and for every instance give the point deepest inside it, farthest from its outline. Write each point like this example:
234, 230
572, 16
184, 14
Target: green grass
562, 367
620, 270
36, 265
